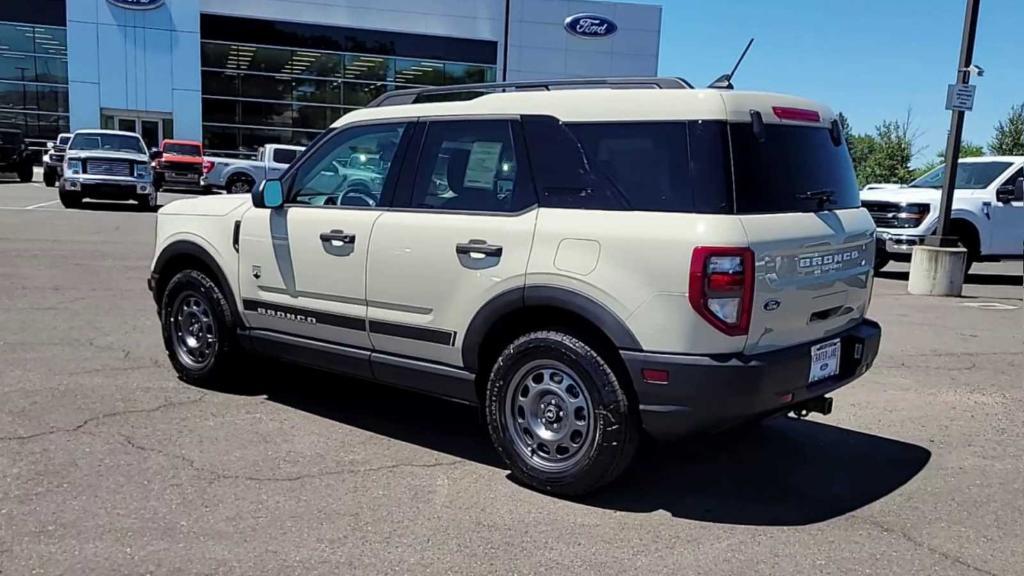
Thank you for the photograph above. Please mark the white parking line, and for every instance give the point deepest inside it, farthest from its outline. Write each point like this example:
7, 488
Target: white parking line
41, 204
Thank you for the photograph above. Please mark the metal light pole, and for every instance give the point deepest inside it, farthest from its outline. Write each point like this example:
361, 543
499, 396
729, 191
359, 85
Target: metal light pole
942, 237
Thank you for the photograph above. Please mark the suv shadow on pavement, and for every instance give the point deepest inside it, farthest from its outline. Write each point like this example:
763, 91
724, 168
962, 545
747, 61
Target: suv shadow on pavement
782, 473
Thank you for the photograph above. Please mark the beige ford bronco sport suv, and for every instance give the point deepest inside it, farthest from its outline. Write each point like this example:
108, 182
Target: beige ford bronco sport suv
584, 264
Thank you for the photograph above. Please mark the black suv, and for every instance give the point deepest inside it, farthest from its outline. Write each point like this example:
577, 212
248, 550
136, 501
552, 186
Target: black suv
15, 157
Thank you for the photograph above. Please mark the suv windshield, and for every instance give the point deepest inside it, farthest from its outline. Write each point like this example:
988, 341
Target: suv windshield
794, 169
111, 142
183, 149
969, 175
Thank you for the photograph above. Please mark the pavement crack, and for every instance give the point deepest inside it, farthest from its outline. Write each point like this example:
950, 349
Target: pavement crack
217, 476
923, 545
103, 416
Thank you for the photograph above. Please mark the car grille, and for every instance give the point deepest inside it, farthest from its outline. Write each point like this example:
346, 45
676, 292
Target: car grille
184, 167
884, 214
108, 167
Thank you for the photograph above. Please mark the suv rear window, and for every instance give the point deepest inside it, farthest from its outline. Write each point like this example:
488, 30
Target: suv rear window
771, 175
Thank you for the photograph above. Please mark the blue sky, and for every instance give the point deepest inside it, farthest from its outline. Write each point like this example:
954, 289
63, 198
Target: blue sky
870, 59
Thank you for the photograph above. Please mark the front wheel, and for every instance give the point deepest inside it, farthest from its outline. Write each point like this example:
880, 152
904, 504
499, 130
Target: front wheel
69, 200
25, 173
148, 202
50, 177
198, 328
559, 416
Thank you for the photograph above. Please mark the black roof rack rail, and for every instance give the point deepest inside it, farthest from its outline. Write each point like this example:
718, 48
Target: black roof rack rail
462, 92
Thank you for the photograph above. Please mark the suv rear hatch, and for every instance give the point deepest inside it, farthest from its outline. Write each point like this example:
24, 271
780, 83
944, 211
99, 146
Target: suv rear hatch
796, 196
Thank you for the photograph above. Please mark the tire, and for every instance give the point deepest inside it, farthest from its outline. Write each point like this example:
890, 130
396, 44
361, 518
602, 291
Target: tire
25, 173
69, 200
558, 415
239, 184
881, 261
198, 328
149, 202
49, 177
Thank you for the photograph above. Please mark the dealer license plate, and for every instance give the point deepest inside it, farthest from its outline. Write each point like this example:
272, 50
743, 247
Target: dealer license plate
824, 360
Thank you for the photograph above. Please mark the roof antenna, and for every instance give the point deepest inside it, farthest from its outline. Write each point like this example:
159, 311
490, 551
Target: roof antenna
724, 82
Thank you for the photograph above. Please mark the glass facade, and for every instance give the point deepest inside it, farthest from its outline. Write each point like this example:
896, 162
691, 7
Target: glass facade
34, 80
260, 94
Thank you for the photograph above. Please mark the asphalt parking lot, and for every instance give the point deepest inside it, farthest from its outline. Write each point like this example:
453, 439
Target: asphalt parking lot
110, 465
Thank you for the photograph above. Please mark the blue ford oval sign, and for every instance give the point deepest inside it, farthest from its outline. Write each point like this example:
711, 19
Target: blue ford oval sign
590, 26
136, 4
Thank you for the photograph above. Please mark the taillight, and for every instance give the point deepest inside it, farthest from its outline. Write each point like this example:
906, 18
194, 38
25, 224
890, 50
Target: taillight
722, 287
207, 166
797, 114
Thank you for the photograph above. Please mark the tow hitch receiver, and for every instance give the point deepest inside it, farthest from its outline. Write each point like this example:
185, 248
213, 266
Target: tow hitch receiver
821, 405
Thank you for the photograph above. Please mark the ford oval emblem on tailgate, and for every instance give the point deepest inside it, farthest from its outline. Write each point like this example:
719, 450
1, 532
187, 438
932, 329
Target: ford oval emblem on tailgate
590, 26
771, 305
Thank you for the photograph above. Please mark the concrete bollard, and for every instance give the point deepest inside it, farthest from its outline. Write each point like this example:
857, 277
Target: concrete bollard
937, 271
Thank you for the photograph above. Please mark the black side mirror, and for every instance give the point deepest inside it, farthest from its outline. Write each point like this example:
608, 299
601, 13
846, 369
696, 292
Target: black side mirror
156, 154
1018, 190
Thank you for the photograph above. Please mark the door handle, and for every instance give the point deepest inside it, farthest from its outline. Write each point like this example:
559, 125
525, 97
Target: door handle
338, 236
478, 247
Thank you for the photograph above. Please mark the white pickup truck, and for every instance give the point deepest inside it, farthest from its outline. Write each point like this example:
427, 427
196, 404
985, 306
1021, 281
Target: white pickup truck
988, 211
243, 176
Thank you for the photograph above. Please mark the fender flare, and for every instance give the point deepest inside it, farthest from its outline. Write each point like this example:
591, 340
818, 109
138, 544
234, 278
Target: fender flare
547, 296
187, 248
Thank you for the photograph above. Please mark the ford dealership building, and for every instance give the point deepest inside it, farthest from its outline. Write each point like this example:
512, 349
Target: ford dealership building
237, 74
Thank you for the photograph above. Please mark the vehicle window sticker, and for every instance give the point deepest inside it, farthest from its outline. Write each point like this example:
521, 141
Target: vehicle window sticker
482, 165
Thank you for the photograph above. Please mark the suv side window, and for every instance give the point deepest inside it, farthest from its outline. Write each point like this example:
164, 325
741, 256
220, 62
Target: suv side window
353, 167
471, 165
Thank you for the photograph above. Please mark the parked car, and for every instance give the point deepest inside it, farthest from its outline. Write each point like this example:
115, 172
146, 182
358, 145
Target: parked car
243, 176
53, 160
15, 156
179, 166
582, 264
987, 217
108, 165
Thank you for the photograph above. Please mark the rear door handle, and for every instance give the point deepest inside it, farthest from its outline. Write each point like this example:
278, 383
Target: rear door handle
338, 236
478, 247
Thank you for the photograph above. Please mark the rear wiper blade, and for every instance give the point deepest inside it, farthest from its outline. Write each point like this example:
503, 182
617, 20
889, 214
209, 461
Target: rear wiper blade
824, 196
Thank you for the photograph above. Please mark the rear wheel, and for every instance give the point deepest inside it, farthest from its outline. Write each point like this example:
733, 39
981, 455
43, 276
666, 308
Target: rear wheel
240, 184
198, 328
559, 416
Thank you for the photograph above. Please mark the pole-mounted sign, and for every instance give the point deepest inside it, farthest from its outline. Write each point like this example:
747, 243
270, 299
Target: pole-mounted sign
960, 97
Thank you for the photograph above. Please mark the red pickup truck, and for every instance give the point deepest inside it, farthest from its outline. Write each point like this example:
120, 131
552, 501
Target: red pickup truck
181, 165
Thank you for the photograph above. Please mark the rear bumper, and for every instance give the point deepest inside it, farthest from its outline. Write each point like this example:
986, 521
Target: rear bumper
709, 392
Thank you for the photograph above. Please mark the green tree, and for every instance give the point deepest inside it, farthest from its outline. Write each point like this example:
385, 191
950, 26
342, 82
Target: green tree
894, 147
1008, 138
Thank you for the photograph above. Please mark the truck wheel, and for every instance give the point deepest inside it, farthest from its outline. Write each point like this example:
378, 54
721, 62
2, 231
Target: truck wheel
149, 202
69, 200
198, 328
881, 261
240, 184
25, 173
558, 415
49, 177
